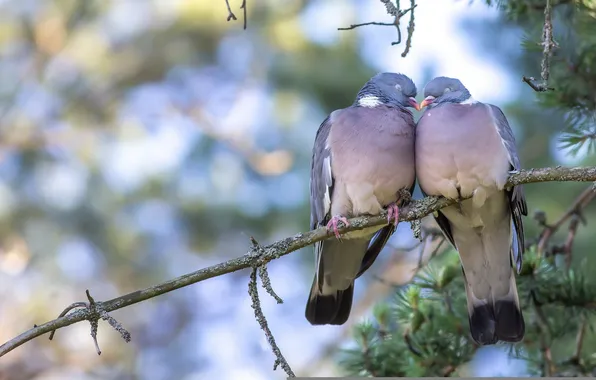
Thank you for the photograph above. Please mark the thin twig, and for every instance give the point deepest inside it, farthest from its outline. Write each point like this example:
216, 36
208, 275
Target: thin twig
253, 291
68, 308
354, 26
410, 29
231, 15
243, 7
579, 342
94, 322
535, 86
578, 205
570, 238
254, 258
397, 13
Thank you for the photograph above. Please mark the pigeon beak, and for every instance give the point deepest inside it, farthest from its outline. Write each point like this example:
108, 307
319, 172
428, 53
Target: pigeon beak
428, 100
414, 104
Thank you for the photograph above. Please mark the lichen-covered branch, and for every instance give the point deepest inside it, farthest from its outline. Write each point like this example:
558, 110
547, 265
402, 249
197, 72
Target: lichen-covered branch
548, 44
258, 256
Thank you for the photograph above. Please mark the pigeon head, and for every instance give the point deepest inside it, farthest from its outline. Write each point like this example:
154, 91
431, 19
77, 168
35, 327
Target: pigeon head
444, 90
388, 89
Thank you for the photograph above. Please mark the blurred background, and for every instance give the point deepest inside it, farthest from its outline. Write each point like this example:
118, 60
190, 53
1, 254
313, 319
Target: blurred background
144, 139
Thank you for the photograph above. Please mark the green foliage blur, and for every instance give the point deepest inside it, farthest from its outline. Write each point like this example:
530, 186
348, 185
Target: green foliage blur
424, 331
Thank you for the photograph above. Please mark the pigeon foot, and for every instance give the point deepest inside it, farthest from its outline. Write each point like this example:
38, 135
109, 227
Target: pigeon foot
393, 213
332, 225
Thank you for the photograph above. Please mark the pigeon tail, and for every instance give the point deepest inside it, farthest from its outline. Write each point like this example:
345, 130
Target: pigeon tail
329, 309
491, 290
498, 320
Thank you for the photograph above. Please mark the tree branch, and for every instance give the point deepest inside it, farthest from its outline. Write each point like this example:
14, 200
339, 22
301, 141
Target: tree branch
259, 256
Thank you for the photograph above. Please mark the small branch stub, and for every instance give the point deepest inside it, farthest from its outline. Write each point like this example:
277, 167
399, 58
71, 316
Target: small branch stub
95, 313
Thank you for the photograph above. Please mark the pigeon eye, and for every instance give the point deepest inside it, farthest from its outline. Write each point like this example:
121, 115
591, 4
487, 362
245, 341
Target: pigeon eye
447, 90
398, 87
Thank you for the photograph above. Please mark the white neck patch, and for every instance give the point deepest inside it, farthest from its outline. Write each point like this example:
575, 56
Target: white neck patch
470, 100
369, 101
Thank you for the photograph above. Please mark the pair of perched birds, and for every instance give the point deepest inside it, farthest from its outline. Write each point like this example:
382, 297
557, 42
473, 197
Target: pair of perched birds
367, 155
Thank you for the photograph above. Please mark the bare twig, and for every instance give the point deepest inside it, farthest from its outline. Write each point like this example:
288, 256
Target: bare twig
253, 291
410, 29
535, 86
231, 15
259, 257
397, 13
578, 205
570, 238
68, 308
354, 26
579, 342
94, 322
243, 7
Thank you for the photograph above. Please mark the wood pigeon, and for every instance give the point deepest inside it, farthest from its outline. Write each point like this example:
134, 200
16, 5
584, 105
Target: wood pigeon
466, 148
363, 159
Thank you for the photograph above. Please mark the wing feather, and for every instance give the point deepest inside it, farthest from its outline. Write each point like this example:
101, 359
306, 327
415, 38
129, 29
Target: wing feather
321, 187
517, 199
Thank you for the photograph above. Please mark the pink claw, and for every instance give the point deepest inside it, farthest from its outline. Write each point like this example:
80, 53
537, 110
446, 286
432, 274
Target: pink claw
333, 224
393, 212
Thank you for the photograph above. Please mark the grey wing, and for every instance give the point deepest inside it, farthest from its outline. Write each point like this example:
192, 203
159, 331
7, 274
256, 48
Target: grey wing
378, 242
443, 224
321, 177
517, 199
321, 186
